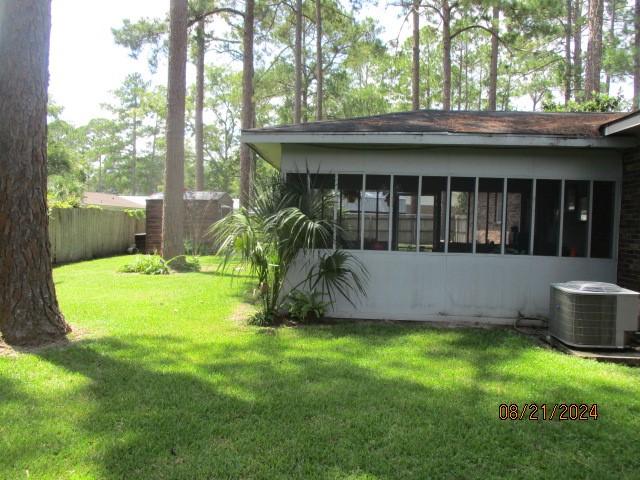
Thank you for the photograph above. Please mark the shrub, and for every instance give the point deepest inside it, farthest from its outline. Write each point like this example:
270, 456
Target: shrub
305, 306
156, 265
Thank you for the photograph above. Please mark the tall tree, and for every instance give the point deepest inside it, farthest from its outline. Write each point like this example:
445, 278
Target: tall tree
636, 57
446, 55
415, 50
578, 21
568, 29
319, 62
199, 114
247, 120
297, 101
594, 49
29, 312
173, 205
493, 63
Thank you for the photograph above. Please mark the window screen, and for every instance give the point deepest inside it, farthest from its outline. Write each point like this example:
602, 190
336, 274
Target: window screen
461, 217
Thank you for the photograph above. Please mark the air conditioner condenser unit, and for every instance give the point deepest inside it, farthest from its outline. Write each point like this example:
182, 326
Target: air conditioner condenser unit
593, 314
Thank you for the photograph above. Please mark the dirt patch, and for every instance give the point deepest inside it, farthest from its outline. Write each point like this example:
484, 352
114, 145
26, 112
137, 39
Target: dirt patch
75, 336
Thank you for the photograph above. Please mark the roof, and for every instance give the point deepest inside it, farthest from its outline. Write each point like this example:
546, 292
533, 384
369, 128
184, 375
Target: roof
198, 195
140, 200
517, 123
107, 200
431, 128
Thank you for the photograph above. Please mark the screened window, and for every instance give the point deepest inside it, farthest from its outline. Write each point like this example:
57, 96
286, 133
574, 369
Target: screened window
322, 200
405, 213
575, 230
433, 214
518, 216
349, 211
461, 217
376, 201
489, 229
547, 226
602, 219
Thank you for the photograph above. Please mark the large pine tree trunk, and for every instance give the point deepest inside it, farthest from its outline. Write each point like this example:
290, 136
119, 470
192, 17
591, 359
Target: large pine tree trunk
199, 123
297, 101
173, 205
636, 59
578, 92
594, 49
319, 67
247, 101
612, 39
568, 29
134, 149
29, 313
446, 55
493, 66
415, 65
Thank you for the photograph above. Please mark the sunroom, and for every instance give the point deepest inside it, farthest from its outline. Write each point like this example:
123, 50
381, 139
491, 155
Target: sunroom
469, 215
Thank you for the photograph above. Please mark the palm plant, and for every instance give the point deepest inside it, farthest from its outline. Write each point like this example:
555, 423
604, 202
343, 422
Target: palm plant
286, 225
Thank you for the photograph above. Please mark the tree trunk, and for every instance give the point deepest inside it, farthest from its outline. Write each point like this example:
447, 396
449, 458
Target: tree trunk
134, 149
29, 312
612, 39
173, 205
319, 68
415, 66
594, 49
446, 55
247, 102
199, 124
568, 30
578, 92
493, 67
297, 53
636, 59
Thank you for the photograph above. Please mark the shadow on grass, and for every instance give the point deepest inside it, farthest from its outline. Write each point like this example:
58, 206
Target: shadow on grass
340, 401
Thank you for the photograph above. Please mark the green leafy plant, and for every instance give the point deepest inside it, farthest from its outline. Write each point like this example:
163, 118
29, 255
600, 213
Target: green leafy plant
306, 306
156, 265
137, 213
286, 224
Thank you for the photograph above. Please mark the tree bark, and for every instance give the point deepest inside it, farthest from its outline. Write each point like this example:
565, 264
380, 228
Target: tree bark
247, 102
446, 55
568, 29
415, 66
134, 148
297, 101
199, 113
319, 67
612, 39
594, 49
173, 204
636, 58
29, 312
578, 92
493, 67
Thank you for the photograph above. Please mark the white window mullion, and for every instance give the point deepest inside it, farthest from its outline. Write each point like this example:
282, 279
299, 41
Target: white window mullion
560, 239
447, 220
418, 213
474, 227
532, 230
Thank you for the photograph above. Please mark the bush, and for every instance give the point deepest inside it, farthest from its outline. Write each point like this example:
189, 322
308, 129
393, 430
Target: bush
305, 306
156, 265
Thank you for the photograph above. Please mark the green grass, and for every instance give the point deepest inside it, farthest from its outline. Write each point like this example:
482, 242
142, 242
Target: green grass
162, 384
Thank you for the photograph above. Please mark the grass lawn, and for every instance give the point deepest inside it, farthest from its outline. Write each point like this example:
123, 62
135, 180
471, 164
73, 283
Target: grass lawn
163, 384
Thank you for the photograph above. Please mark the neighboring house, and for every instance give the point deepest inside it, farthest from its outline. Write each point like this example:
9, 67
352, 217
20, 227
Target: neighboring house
109, 201
202, 209
508, 203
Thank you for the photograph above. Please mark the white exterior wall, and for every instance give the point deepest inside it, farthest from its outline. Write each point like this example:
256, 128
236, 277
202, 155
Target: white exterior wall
491, 288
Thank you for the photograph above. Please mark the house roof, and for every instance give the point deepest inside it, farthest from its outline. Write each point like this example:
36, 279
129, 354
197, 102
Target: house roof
197, 195
517, 123
440, 128
107, 200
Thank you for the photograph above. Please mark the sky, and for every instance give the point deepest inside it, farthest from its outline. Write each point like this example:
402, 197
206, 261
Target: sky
84, 62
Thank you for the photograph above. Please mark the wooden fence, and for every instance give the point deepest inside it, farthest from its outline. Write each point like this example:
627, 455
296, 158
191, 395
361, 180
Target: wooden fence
84, 233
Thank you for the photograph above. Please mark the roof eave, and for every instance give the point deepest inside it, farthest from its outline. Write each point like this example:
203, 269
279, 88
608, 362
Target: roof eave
269, 144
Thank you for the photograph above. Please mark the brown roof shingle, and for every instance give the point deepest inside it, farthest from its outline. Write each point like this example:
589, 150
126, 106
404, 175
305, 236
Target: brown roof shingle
431, 121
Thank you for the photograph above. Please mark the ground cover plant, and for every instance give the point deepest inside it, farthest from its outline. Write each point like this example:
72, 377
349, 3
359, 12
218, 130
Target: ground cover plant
165, 381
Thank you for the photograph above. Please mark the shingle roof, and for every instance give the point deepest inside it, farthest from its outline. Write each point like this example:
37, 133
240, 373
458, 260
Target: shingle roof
198, 195
429, 121
107, 200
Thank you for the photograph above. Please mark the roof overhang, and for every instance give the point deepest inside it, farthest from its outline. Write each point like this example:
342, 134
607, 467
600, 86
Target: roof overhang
269, 144
629, 125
